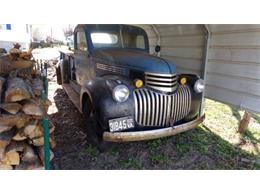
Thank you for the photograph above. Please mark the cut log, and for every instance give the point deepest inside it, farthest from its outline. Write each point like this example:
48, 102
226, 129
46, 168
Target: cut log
12, 108
29, 155
6, 167
37, 141
18, 120
45, 103
4, 128
36, 165
5, 65
40, 151
40, 142
30, 127
3, 144
51, 127
17, 90
21, 63
37, 86
2, 81
11, 158
19, 136
17, 146
53, 142
8, 64
243, 124
31, 108
5, 139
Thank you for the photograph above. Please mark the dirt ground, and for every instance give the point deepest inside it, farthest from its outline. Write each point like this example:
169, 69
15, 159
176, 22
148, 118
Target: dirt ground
197, 149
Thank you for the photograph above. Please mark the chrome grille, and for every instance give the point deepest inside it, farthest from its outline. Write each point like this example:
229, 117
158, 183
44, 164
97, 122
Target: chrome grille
155, 109
109, 68
162, 82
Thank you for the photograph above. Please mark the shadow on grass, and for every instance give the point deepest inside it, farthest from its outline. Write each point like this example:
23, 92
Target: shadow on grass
215, 152
235, 112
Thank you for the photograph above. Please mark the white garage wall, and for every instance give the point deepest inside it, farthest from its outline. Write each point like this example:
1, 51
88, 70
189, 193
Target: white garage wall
233, 72
184, 45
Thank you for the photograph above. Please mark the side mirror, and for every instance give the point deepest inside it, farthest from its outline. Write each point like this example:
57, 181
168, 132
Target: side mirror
157, 48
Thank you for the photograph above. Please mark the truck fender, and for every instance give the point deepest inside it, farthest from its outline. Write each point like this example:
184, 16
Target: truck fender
90, 93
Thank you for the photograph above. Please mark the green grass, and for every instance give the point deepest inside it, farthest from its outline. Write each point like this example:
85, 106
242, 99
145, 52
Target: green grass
159, 158
93, 152
131, 163
223, 120
215, 144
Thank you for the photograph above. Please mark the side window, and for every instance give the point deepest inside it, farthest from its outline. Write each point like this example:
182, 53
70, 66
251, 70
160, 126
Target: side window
81, 41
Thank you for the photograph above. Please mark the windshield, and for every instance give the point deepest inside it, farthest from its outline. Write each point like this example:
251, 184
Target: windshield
118, 39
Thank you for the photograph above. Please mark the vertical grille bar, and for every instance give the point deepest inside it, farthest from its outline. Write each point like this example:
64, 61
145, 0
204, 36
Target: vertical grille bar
157, 102
155, 109
161, 110
148, 107
144, 106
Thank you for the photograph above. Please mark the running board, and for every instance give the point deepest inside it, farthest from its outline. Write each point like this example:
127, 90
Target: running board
73, 95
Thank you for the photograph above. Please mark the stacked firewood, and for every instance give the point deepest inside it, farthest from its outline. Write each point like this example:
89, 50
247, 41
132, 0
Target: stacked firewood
21, 113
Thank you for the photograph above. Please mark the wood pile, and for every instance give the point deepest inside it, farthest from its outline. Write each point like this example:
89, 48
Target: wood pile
21, 113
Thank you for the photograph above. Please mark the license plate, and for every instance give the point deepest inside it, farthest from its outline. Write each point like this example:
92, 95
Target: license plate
120, 124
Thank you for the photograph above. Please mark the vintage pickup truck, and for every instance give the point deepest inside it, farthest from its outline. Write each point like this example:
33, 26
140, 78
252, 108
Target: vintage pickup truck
125, 93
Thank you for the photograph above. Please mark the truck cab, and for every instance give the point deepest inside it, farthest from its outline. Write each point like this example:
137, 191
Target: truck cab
125, 93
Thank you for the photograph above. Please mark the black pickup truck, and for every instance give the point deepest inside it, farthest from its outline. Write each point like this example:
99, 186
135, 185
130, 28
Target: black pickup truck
125, 93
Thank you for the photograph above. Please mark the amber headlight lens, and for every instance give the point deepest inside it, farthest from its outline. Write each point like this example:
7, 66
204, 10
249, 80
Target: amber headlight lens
120, 93
183, 81
138, 83
199, 86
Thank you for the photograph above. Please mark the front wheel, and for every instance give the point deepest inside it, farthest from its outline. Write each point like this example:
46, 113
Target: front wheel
94, 133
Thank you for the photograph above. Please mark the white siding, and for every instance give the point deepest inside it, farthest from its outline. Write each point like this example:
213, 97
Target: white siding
19, 33
233, 73
183, 45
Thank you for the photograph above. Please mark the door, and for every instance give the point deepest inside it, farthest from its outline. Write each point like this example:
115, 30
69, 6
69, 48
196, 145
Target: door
81, 57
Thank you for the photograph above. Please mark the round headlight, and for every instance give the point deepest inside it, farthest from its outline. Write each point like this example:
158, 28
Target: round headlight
199, 86
120, 93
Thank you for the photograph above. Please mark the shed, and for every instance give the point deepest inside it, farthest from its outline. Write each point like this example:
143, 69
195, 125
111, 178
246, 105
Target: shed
226, 56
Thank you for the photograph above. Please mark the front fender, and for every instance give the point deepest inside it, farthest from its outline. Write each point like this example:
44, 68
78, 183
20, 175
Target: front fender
99, 91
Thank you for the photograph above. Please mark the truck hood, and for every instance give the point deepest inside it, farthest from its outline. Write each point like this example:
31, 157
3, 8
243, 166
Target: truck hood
133, 59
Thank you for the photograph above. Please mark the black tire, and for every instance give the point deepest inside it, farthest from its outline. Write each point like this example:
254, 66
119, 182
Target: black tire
94, 131
58, 74
65, 71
